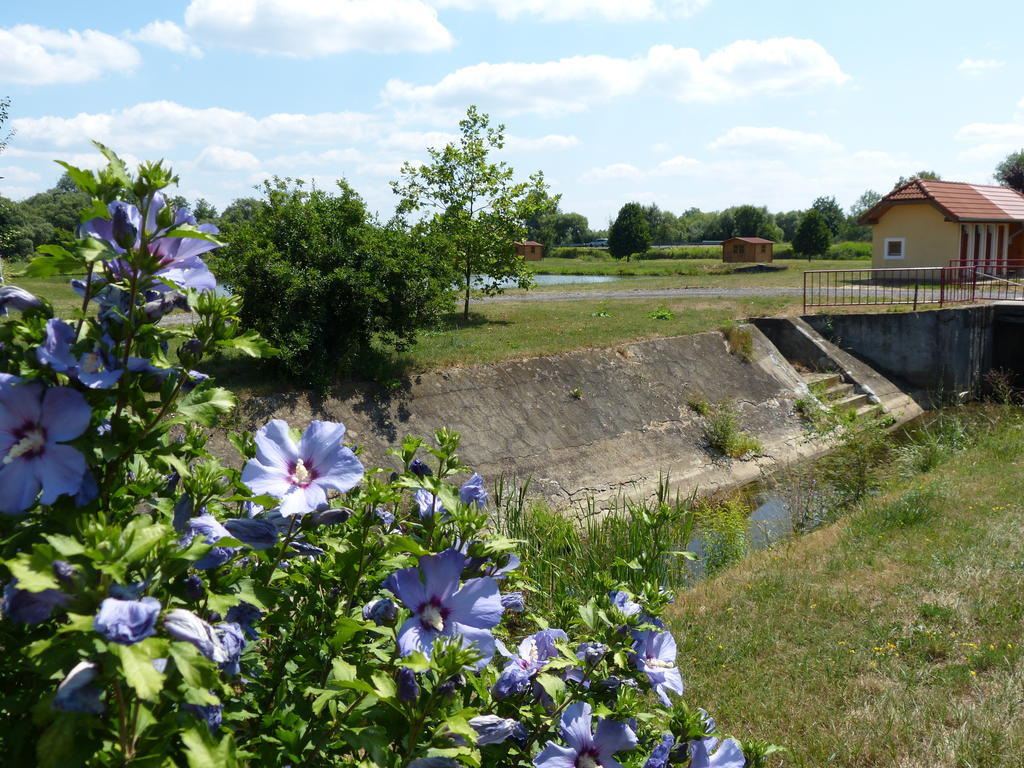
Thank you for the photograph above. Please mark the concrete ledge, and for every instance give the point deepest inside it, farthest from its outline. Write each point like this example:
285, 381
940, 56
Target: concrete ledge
594, 422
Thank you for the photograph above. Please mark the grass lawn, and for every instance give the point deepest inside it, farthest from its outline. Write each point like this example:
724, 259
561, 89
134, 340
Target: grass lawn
57, 290
507, 330
892, 638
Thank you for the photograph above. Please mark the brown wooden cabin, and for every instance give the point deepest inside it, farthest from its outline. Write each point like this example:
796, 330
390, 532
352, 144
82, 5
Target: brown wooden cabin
755, 249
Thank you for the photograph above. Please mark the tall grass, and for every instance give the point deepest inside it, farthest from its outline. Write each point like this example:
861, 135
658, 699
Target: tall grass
573, 557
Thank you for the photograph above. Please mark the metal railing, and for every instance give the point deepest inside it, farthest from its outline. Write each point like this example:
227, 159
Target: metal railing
958, 283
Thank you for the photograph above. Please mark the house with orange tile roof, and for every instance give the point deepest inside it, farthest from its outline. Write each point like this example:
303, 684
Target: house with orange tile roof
530, 250
926, 223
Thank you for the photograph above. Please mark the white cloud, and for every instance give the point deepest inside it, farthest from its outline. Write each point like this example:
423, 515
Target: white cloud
12, 173
553, 142
677, 166
310, 28
166, 34
317, 159
415, 141
614, 172
759, 140
153, 126
218, 158
567, 10
741, 69
32, 55
978, 66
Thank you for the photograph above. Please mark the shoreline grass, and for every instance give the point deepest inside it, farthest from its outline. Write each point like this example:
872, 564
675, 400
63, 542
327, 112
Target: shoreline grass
889, 638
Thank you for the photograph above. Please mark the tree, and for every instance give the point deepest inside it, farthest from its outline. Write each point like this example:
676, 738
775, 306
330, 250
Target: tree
53, 214
788, 221
323, 282
478, 209
1010, 172
929, 175
5, 106
812, 236
751, 221
203, 211
629, 233
854, 230
239, 211
832, 212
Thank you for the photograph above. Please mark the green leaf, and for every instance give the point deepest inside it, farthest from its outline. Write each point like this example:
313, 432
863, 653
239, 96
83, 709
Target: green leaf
54, 261
203, 406
250, 343
56, 744
96, 211
555, 687
33, 571
84, 180
65, 545
204, 750
385, 686
189, 231
342, 670
195, 669
116, 166
138, 669
145, 536
92, 250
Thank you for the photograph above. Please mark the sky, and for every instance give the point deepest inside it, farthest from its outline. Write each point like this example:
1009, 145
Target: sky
685, 103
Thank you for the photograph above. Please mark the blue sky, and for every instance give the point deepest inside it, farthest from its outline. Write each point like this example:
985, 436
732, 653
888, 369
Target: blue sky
705, 103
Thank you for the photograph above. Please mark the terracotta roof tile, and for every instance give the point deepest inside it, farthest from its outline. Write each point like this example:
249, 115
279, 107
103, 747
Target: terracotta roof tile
958, 201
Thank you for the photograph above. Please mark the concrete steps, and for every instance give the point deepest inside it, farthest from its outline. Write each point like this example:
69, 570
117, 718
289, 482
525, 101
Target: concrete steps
839, 394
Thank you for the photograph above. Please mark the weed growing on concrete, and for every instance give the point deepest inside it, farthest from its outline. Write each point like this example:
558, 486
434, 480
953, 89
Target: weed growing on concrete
739, 340
723, 433
576, 393
698, 403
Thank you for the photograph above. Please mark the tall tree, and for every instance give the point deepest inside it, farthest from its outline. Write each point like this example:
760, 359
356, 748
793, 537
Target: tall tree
1011, 171
928, 175
478, 208
812, 236
203, 211
832, 212
788, 221
854, 230
629, 233
5, 106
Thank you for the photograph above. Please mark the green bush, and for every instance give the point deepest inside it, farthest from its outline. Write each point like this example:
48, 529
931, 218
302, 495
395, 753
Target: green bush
323, 281
682, 252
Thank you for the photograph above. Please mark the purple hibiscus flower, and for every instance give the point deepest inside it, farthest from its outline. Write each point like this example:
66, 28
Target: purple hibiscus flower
729, 754
442, 609
429, 505
624, 602
534, 653
655, 656
472, 492
30, 607
660, 754
96, 369
300, 475
178, 257
207, 526
17, 298
33, 422
586, 749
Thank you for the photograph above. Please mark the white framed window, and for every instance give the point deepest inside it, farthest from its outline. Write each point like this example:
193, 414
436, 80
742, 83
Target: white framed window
895, 247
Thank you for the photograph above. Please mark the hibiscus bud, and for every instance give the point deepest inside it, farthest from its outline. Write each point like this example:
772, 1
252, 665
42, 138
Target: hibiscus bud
382, 612
514, 602
255, 532
125, 233
332, 516
76, 693
592, 653
127, 621
167, 303
408, 688
64, 571
194, 588
492, 729
30, 607
451, 685
419, 468
17, 298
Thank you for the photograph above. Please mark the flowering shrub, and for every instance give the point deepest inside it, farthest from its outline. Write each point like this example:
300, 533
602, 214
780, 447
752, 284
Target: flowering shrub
161, 608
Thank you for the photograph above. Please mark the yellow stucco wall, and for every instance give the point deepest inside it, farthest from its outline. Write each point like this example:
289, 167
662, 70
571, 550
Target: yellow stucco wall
931, 241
